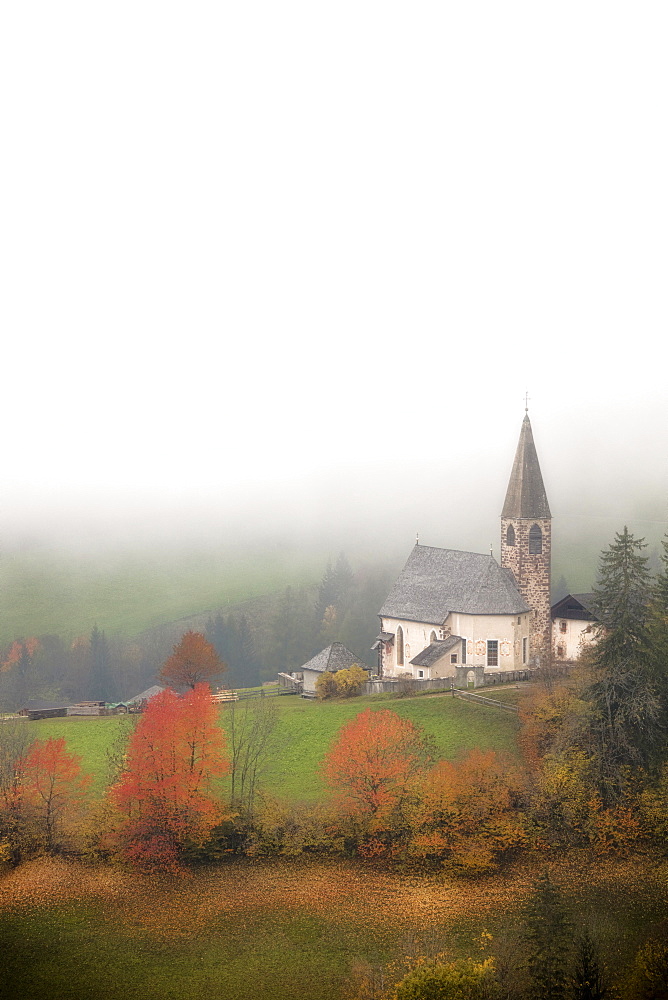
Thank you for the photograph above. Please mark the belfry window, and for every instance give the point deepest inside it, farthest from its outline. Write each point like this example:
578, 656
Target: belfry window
535, 540
510, 535
400, 646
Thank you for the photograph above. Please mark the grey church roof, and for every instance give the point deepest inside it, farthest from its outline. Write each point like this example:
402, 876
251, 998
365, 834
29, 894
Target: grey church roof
334, 657
435, 650
435, 582
526, 496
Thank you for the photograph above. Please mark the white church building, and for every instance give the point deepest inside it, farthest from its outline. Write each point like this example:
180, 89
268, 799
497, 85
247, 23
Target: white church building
449, 609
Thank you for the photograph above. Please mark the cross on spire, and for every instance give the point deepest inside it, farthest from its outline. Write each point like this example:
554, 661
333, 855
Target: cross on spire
526, 401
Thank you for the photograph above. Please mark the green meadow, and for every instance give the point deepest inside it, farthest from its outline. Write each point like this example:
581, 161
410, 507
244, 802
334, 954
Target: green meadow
306, 929
306, 729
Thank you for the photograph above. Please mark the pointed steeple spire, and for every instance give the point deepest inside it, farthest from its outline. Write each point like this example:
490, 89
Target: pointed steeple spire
526, 497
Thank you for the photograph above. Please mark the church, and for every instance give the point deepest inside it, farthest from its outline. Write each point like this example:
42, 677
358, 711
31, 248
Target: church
449, 609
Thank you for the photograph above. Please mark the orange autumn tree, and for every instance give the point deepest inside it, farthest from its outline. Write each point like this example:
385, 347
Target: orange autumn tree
165, 789
467, 811
193, 661
372, 768
51, 785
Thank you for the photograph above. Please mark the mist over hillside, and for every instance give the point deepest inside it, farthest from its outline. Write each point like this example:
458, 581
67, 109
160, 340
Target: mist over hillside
129, 568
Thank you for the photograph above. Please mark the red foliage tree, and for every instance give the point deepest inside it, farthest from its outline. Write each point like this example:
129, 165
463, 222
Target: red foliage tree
175, 752
372, 766
51, 784
20, 647
193, 661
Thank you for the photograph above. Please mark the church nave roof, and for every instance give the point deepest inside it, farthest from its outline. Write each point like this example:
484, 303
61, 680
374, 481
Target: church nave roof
435, 582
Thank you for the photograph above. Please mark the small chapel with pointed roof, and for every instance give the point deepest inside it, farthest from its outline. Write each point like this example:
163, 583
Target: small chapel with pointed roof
449, 609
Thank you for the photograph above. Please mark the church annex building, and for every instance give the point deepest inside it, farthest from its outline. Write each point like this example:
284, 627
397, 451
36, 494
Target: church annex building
448, 608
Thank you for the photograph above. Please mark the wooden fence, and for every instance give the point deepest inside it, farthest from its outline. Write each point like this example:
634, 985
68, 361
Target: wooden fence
470, 696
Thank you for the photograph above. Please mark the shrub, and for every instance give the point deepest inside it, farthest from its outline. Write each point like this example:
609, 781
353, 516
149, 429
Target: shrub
325, 686
460, 980
350, 682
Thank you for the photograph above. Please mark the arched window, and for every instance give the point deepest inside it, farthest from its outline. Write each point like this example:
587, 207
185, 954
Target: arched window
400, 646
432, 637
535, 540
510, 535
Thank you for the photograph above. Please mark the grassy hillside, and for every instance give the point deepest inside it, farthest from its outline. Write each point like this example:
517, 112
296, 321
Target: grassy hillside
305, 732
61, 593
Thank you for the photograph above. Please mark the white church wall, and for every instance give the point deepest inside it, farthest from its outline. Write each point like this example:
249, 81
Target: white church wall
505, 630
511, 636
508, 631
417, 636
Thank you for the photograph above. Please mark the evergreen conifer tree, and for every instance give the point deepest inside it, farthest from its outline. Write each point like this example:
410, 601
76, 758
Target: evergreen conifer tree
344, 584
216, 634
327, 592
101, 681
589, 981
547, 931
21, 677
627, 726
658, 627
621, 599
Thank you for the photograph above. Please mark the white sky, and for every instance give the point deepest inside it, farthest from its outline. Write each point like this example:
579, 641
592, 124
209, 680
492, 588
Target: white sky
248, 247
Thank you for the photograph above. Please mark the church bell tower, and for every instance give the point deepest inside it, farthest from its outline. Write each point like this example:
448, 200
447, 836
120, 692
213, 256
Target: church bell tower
526, 541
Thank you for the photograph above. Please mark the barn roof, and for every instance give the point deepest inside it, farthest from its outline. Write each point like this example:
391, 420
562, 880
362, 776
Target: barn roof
526, 496
435, 582
577, 607
145, 695
39, 705
333, 658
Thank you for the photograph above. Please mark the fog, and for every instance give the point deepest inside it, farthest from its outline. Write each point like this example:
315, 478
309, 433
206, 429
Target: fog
289, 271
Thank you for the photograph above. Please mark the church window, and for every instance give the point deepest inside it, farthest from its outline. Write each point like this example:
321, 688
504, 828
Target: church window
420, 673
432, 637
453, 657
492, 653
560, 651
463, 650
524, 649
510, 535
563, 626
400, 646
535, 540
